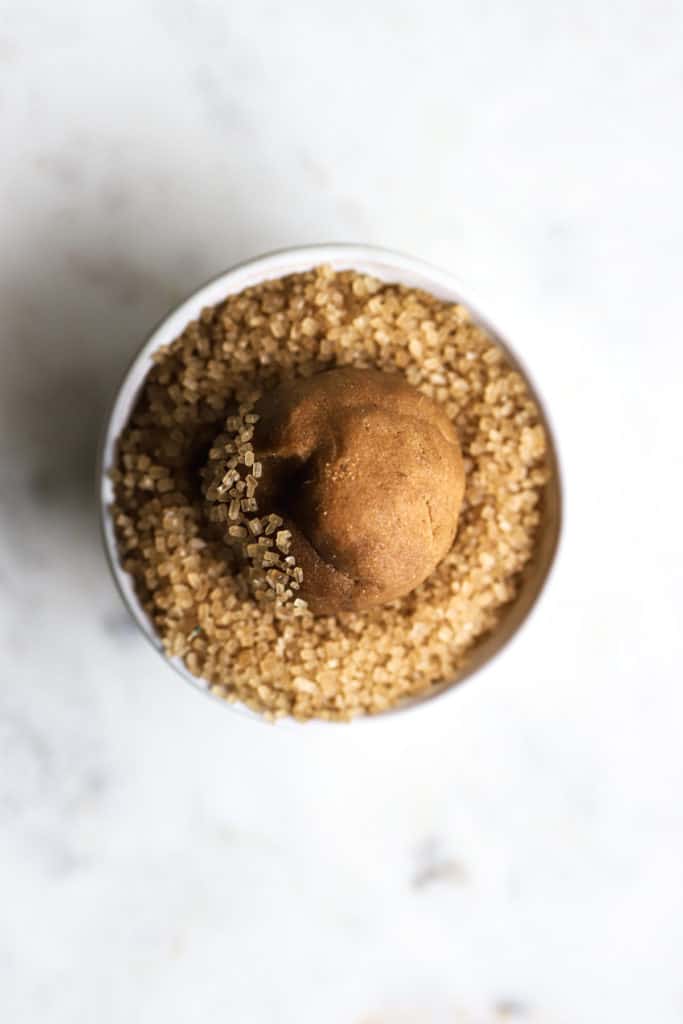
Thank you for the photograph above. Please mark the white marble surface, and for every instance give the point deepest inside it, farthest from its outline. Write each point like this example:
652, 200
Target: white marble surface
515, 853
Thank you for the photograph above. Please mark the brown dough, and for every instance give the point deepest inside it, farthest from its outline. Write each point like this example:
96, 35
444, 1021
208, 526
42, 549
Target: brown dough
368, 475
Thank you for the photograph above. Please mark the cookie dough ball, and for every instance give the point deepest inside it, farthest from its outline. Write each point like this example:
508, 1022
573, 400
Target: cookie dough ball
368, 475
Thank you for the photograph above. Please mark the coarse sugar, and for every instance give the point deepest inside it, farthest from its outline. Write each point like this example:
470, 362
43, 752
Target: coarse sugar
186, 492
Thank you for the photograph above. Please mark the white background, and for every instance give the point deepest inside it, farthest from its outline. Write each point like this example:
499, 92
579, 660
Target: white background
512, 853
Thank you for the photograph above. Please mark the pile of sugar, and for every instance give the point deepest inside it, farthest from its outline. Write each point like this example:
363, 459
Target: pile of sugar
275, 656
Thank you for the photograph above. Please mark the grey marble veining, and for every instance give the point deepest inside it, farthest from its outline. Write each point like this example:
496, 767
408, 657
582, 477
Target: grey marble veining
513, 854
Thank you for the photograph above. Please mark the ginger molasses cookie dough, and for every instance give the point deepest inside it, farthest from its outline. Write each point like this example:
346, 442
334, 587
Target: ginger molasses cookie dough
289, 493
365, 474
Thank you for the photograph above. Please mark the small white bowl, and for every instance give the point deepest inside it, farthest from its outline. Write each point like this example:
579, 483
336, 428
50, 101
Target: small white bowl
387, 266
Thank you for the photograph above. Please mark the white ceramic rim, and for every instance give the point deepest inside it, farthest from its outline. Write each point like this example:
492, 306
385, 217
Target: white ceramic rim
388, 266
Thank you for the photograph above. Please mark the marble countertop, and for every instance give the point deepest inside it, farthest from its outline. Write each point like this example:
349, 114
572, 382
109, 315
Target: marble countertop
513, 853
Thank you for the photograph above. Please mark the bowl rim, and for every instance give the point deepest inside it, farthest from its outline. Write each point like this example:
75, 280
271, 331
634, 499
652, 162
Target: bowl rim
365, 258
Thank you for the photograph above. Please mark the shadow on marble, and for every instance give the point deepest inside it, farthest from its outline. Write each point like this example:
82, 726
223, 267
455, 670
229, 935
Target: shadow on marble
76, 312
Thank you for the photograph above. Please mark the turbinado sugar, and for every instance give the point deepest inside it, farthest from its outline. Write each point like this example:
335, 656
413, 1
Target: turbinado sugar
235, 617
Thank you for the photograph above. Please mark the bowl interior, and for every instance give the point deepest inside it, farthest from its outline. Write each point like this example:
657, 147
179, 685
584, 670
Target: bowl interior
391, 268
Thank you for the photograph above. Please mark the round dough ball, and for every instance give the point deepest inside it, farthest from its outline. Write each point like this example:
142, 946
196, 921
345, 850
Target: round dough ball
368, 475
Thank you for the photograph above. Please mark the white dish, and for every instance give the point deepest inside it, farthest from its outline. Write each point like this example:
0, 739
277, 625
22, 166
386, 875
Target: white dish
387, 266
